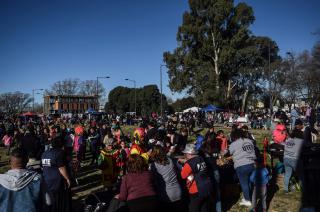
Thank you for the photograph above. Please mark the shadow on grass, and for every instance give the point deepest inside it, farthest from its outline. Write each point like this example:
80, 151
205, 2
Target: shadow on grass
230, 194
87, 186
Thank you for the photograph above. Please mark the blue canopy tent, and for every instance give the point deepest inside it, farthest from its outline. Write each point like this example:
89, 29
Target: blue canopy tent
92, 111
210, 108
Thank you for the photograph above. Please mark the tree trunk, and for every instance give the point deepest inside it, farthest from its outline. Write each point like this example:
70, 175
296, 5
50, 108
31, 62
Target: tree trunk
229, 89
244, 100
217, 86
215, 61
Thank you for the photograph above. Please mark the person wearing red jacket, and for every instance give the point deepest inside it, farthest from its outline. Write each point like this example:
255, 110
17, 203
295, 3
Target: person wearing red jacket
199, 185
223, 140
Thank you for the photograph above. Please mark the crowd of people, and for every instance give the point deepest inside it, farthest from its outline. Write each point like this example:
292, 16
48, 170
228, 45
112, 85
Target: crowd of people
160, 166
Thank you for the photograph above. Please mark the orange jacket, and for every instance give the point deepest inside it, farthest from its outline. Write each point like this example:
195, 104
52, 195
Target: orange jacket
191, 184
223, 142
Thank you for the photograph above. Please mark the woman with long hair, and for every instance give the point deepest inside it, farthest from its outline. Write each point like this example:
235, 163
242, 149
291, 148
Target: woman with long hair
166, 181
137, 186
243, 154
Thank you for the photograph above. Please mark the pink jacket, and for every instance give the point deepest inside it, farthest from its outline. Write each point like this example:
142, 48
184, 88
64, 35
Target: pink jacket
7, 140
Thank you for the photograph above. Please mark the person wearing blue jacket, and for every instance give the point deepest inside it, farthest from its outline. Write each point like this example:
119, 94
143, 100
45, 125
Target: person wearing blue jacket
199, 140
259, 178
21, 189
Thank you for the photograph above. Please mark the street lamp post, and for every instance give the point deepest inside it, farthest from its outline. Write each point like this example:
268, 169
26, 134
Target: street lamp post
97, 87
161, 107
293, 70
269, 71
33, 90
43, 101
135, 95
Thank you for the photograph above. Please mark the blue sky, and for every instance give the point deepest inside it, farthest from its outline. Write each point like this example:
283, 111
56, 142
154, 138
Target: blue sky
42, 42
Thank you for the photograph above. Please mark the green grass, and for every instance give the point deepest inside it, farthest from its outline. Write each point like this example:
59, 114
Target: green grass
4, 161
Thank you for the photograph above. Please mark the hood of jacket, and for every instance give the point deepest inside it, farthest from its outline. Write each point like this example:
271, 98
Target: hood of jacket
17, 179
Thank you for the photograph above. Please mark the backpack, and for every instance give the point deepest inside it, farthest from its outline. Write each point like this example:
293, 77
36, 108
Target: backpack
201, 176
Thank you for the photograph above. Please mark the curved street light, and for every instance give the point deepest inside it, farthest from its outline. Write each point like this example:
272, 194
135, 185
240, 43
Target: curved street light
161, 107
135, 94
97, 86
97, 91
33, 90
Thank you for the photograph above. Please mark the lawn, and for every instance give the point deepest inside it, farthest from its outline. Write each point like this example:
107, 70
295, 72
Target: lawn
4, 160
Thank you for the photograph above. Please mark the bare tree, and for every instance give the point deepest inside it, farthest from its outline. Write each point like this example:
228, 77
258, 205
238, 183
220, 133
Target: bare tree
310, 69
65, 87
38, 108
278, 77
89, 87
16, 102
302, 77
75, 86
294, 79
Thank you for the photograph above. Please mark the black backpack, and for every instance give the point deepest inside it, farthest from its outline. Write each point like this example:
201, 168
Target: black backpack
201, 176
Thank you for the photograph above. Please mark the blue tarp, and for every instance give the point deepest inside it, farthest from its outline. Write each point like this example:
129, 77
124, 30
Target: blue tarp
92, 111
210, 108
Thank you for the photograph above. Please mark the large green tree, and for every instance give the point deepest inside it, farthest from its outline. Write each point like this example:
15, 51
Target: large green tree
217, 56
122, 99
118, 100
184, 103
208, 39
253, 70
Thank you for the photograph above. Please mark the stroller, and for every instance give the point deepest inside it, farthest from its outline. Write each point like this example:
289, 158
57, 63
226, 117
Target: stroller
104, 201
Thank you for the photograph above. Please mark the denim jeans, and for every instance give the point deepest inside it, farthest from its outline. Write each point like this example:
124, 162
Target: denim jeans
259, 192
293, 122
290, 165
244, 173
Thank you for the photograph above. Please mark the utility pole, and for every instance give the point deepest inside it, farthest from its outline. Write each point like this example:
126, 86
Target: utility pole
33, 90
270, 93
97, 89
161, 105
135, 95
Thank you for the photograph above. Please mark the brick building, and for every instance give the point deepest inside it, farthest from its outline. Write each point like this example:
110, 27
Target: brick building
57, 104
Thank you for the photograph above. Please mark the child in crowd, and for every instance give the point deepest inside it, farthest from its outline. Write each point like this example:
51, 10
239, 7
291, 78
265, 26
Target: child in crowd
107, 164
223, 140
259, 178
8, 141
124, 153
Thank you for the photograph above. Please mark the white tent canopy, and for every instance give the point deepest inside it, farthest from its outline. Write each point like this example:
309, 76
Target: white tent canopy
192, 109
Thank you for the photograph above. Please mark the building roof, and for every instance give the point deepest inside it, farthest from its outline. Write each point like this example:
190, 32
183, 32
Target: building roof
73, 96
